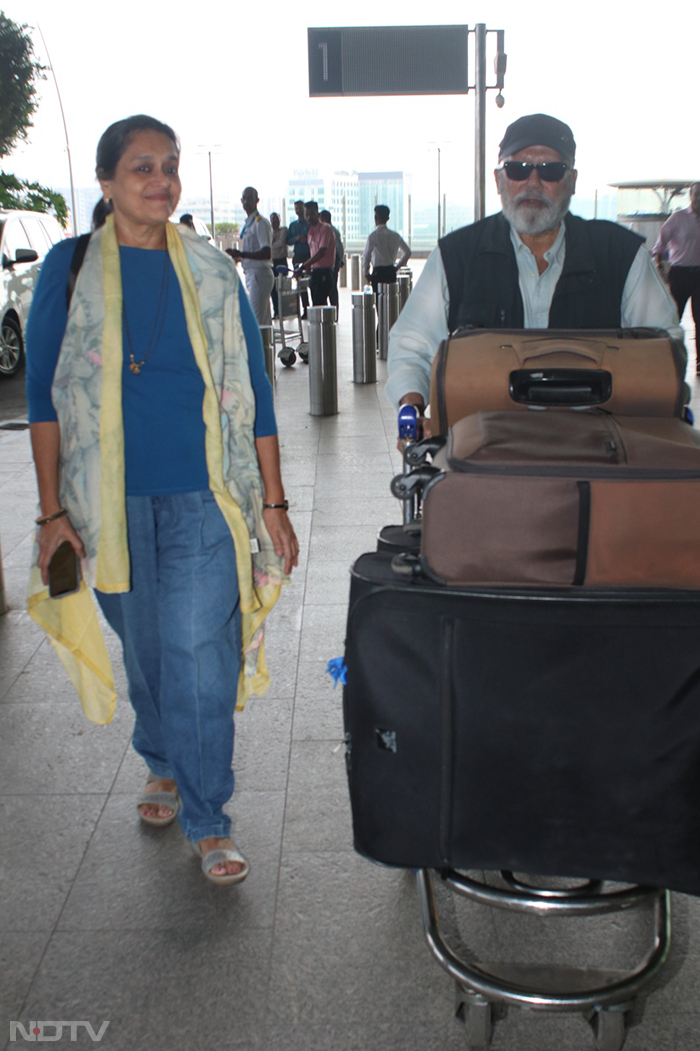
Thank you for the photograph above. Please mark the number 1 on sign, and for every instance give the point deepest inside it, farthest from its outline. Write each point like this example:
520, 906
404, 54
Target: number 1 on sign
324, 49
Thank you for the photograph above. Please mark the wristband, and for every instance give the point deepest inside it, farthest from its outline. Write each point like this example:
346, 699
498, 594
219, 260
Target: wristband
284, 506
51, 518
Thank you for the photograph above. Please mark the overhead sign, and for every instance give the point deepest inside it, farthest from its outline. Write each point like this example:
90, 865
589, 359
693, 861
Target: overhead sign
388, 60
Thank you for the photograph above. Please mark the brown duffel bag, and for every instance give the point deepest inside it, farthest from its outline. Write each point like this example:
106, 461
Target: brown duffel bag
631, 372
565, 497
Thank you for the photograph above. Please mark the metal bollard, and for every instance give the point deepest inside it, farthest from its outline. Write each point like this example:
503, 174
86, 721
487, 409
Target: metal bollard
364, 338
355, 273
323, 371
268, 342
388, 311
403, 281
343, 275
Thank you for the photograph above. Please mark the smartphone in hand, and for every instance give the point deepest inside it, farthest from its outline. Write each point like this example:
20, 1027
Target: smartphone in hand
64, 571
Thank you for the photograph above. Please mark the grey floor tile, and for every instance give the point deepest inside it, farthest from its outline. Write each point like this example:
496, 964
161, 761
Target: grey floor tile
323, 633
20, 638
366, 959
375, 512
137, 878
72, 754
318, 807
318, 707
328, 582
20, 956
329, 542
261, 753
44, 841
169, 990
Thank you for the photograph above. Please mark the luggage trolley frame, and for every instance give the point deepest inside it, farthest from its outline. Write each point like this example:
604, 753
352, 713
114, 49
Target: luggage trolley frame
289, 288
605, 997
435, 786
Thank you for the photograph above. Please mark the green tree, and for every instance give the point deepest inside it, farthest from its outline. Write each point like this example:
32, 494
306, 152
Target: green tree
18, 73
31, 197
226, 228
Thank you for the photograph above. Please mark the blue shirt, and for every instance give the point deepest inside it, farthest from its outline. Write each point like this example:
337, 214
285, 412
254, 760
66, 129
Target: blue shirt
301, 250
164, 428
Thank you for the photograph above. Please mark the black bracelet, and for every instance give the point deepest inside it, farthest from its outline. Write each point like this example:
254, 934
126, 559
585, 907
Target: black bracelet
284, 506
51, 518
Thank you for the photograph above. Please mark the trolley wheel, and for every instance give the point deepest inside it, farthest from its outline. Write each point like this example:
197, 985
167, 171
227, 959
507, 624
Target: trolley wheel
478, 1014
609, 1028
304, 353
287, 357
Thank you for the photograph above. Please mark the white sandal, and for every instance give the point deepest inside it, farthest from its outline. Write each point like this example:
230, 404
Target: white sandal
219, 856
169, 799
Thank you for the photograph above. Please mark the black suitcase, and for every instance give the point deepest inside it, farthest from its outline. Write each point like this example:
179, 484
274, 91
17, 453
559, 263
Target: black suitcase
540, 731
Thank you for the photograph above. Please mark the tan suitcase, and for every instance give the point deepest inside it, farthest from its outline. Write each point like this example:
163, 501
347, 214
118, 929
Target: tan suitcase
630, 372
565, 497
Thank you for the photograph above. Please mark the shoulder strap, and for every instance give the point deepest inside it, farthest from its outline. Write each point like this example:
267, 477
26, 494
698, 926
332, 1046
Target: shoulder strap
75, 265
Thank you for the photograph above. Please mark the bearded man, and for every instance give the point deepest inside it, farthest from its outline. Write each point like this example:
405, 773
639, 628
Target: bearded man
532, 265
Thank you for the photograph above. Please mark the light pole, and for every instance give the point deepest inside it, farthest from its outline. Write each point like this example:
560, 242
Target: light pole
211, 185
440, 199
65, 132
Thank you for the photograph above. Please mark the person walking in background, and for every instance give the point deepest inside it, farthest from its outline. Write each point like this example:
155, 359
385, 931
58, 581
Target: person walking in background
320, 263
385, 250
157, 462
678, 246
279, 254
255, 255
296, 237
325, 217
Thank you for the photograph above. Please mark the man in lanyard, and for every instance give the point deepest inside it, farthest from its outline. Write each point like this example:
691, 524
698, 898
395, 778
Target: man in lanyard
255, 256
321, 240
679, 243
532, 265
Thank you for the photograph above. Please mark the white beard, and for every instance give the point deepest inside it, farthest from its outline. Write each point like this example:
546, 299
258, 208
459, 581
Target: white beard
537, 220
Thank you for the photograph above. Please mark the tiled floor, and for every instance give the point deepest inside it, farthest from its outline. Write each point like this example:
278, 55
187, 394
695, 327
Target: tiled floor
104, 919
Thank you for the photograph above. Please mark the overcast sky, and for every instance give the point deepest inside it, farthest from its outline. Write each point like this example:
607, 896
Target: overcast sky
625, 83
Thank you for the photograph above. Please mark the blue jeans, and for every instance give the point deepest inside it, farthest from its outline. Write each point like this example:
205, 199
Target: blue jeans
180, 631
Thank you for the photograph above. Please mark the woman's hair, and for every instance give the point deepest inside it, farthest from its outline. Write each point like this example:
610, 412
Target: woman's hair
100, 213
111, 147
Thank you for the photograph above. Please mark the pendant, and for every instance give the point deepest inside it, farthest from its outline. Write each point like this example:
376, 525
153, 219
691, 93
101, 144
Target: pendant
135, 367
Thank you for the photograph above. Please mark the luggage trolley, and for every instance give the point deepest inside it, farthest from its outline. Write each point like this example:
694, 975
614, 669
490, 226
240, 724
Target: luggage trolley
480, 839
483, 991
440, 787
289, 288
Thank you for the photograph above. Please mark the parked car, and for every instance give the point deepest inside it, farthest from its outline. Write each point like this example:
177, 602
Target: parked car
25, 238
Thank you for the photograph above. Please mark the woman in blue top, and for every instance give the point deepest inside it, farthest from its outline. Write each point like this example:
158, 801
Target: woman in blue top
156, 453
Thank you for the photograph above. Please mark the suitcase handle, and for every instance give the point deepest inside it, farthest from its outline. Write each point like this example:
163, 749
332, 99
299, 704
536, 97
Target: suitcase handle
592, 349
560, 386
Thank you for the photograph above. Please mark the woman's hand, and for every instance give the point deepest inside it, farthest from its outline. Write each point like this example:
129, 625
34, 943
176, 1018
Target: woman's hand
283, 536
51, 536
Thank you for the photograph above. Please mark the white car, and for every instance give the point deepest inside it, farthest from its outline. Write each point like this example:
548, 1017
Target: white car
25, 238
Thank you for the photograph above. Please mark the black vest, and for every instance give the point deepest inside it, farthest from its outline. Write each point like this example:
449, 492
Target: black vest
482, 275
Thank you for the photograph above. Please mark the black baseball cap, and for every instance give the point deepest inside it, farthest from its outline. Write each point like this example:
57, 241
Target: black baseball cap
538, 129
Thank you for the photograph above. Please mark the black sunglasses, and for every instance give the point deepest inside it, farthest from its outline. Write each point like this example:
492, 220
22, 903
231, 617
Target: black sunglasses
548, 171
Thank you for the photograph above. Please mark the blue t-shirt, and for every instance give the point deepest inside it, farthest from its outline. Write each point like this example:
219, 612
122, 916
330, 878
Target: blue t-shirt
164, 430
300, 249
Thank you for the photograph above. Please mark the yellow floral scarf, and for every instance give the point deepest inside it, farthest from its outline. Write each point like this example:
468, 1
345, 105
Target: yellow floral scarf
87, 395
